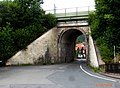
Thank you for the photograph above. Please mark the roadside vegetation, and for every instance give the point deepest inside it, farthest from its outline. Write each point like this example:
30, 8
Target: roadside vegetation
96, 69
105, 28
21, 22
80, 39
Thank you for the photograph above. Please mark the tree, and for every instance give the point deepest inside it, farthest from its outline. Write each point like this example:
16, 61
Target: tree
105, 23
21, 13
48, 21
80, 39
21, 22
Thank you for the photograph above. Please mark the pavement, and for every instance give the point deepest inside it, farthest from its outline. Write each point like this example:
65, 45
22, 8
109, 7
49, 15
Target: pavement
112, 75
69, 75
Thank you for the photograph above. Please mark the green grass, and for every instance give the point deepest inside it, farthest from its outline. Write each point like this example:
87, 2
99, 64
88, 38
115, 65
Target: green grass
95, 69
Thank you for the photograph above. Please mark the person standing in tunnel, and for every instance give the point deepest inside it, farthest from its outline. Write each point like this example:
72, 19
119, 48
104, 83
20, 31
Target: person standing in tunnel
83, 52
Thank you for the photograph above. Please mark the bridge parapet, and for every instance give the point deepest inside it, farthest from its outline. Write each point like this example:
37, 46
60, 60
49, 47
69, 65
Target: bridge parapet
73, 11
81, 18
72, 21
68, 25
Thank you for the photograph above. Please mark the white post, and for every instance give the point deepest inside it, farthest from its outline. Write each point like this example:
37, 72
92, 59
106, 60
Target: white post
114, 55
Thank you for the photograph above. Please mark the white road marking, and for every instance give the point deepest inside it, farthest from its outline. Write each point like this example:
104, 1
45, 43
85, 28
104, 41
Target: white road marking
80, 59
96, 75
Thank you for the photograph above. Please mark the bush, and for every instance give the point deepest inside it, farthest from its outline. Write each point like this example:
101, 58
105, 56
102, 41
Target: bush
105, 51
49, 21
24, 36
20, 24
105, 28
7, 48
13, 41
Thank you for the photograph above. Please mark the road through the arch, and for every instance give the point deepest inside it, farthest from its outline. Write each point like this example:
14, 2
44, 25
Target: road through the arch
53, 76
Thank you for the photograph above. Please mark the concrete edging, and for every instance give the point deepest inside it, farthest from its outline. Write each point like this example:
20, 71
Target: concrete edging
108, 75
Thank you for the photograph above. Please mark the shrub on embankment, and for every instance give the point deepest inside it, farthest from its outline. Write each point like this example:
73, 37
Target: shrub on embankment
21, 22
105, 28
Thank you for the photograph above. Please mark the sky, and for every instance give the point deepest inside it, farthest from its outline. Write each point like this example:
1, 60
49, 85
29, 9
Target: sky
59, 4
49, 4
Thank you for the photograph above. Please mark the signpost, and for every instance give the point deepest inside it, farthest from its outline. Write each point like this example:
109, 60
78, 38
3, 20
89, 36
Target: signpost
114, 55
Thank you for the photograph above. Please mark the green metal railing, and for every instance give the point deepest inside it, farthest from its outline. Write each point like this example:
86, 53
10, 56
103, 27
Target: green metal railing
75, 11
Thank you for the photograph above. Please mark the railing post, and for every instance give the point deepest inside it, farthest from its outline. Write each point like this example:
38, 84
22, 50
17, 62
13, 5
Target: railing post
88, 9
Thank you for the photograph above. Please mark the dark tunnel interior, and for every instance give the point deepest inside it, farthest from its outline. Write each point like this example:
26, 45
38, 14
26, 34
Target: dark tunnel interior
67, 45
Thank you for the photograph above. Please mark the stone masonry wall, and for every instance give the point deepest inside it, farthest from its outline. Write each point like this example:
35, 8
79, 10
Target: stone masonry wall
92, 53
42, 50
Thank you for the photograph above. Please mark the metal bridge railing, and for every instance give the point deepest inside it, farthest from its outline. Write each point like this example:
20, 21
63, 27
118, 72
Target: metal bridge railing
75, 11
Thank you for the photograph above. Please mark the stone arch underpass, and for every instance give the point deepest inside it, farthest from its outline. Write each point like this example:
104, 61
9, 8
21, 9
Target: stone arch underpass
56, 46
66, 43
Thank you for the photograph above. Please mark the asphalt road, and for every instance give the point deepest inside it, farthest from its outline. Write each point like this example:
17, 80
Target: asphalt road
72, 75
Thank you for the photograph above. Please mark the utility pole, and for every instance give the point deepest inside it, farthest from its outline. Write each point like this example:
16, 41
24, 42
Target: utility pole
54, 9
41, 2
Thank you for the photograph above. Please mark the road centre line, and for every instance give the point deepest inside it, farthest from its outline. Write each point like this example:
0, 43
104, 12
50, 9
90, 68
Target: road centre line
96, 75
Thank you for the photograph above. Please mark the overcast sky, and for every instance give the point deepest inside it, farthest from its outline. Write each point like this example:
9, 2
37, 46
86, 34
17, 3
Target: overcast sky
49, 4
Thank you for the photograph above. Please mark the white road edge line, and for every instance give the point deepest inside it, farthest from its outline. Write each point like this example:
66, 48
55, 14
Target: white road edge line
95, 75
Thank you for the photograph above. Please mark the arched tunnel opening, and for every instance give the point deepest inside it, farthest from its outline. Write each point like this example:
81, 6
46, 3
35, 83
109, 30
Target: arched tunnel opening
80, 47
67, 43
